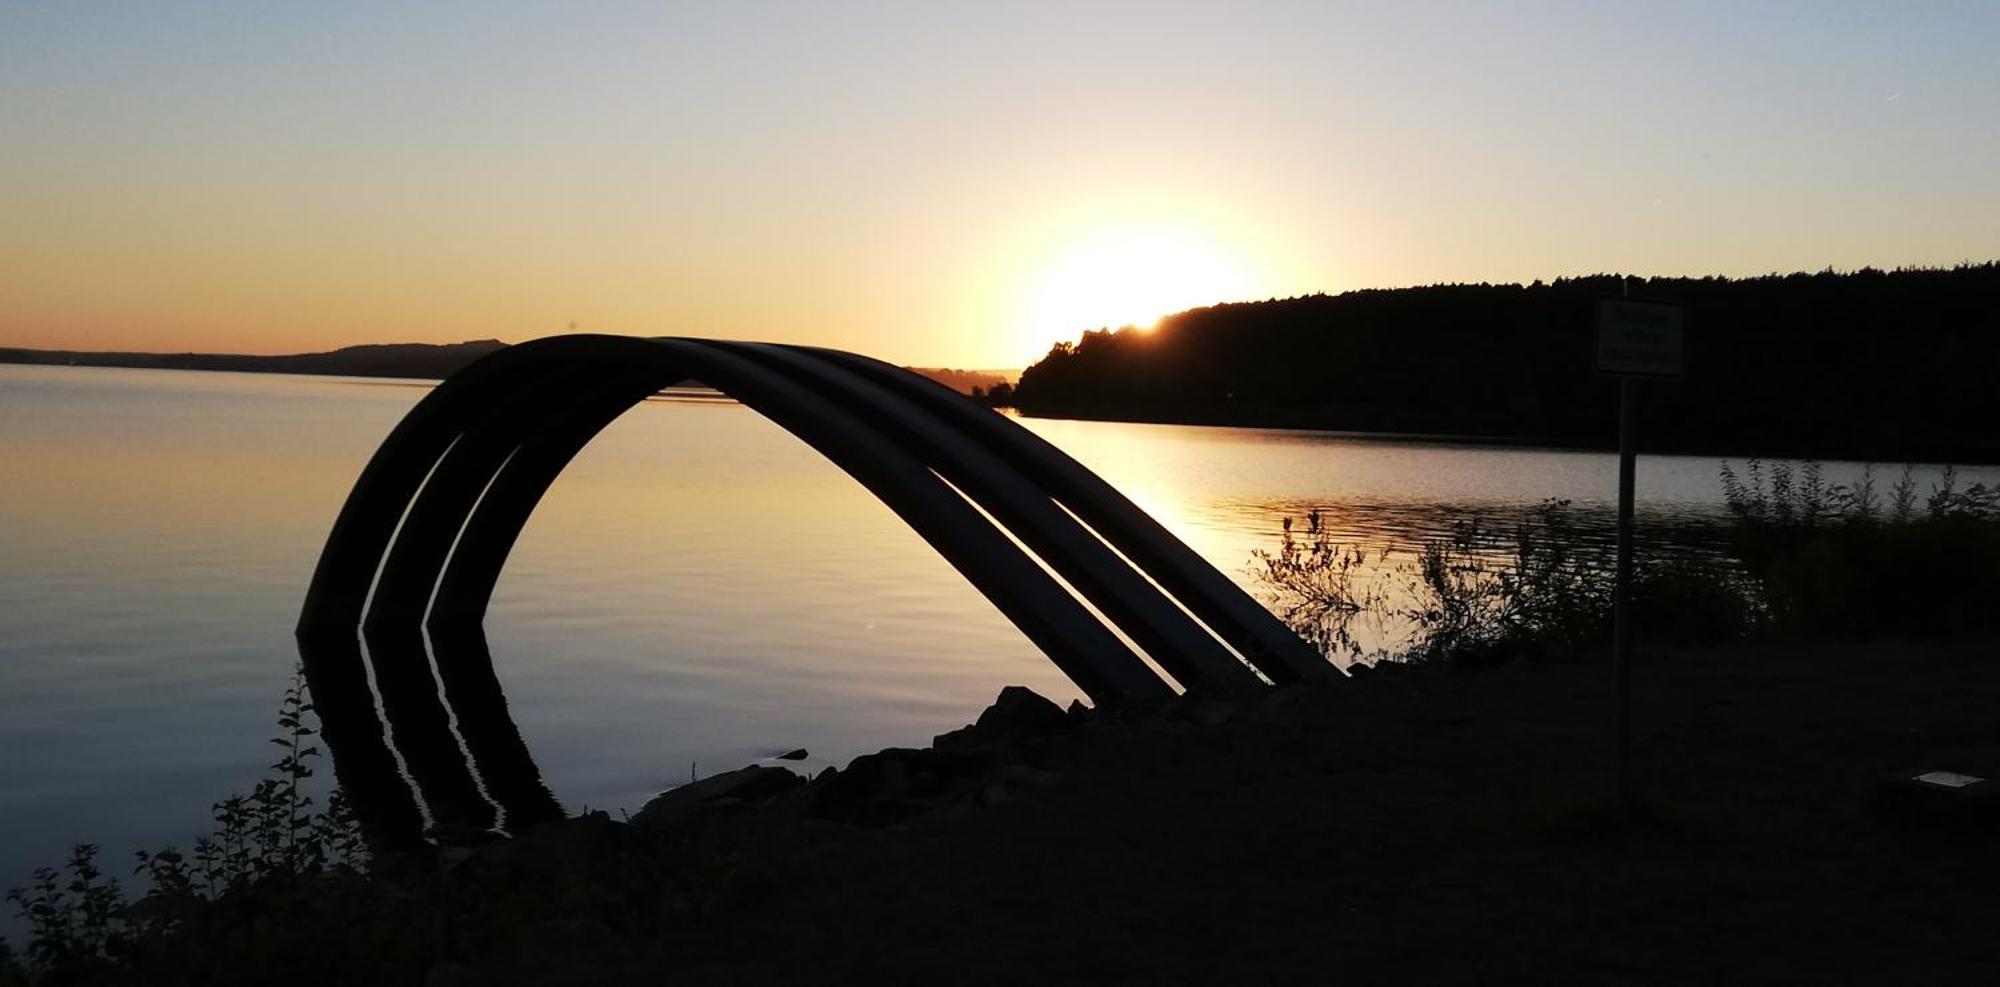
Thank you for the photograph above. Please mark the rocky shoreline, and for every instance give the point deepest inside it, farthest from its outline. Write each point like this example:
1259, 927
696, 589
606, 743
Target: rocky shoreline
1411, 824
1020, 743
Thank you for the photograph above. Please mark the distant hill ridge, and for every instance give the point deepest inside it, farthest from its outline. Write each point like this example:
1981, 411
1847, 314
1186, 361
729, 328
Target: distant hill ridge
426, 361
421, 360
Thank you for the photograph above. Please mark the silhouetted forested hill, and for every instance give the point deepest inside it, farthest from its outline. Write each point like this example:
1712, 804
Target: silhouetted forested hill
1887, 366
966, 381
423, 360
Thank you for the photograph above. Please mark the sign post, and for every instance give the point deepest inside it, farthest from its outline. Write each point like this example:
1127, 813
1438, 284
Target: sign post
1636, 340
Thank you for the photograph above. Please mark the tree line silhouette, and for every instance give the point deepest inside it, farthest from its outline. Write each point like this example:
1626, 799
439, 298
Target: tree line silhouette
1893, 366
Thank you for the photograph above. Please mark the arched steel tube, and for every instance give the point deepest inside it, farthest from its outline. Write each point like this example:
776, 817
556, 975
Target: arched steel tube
1169, 636
1101, 665
1262, 638
408, 576
367, 520
473, 571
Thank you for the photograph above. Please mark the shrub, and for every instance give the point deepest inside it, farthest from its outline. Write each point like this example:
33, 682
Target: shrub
80, 920
1483, 594
1315, 586
1838, 563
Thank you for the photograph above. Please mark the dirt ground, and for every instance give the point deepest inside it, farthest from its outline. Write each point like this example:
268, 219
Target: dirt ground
1442, 827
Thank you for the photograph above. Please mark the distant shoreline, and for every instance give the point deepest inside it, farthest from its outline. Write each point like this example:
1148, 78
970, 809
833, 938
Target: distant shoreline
430, 363
1961, 457
400, 361
427, 361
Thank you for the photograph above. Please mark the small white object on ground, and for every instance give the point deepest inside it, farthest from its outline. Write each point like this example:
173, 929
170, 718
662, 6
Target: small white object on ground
1948, 779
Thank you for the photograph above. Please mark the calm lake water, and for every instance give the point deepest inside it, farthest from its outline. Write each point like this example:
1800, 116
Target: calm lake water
698, 592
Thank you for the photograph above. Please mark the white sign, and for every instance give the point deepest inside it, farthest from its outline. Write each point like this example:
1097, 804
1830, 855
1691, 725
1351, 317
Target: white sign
1639, 339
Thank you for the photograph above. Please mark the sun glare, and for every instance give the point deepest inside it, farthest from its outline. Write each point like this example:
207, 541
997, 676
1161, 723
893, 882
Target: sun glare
1129, 275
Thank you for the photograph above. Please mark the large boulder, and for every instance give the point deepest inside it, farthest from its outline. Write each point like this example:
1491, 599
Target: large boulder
572, 847
896, 784
1018, 712
725, 792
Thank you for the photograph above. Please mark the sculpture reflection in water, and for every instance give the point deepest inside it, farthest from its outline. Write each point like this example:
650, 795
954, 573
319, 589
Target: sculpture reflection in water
412, 775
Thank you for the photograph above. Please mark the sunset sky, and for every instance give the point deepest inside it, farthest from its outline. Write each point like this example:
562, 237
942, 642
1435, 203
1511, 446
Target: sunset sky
944, 184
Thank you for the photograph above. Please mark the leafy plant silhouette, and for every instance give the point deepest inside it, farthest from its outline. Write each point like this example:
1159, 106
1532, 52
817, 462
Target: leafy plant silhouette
1485, 592
1316, 582
79, 917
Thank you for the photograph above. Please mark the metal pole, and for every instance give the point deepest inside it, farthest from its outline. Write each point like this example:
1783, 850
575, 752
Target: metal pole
1621, 633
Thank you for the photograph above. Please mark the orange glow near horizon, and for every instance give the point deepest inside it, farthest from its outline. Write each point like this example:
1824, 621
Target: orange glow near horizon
1129, 275
1130, 263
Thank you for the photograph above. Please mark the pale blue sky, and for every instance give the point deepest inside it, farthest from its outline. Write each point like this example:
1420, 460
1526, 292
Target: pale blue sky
903, 178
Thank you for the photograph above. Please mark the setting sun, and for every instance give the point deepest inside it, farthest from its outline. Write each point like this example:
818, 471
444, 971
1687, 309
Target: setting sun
1129, 275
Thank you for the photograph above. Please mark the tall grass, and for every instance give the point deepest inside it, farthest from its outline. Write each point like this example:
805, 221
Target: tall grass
1839, 560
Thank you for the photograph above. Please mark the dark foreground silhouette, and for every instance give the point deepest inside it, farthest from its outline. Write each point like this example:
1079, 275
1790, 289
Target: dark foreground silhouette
1421, 825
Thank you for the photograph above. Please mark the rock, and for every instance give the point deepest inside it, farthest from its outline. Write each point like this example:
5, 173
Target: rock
1023, 776
449, 974
718, 793
1020, 709
581, 849
996, 794
590, 836
1205, 710
1018, 712
1281, 702
894, 785
676, 904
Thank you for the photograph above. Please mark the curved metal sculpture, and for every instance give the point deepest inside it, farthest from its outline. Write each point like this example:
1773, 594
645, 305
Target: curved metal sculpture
417, 550
423, 536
